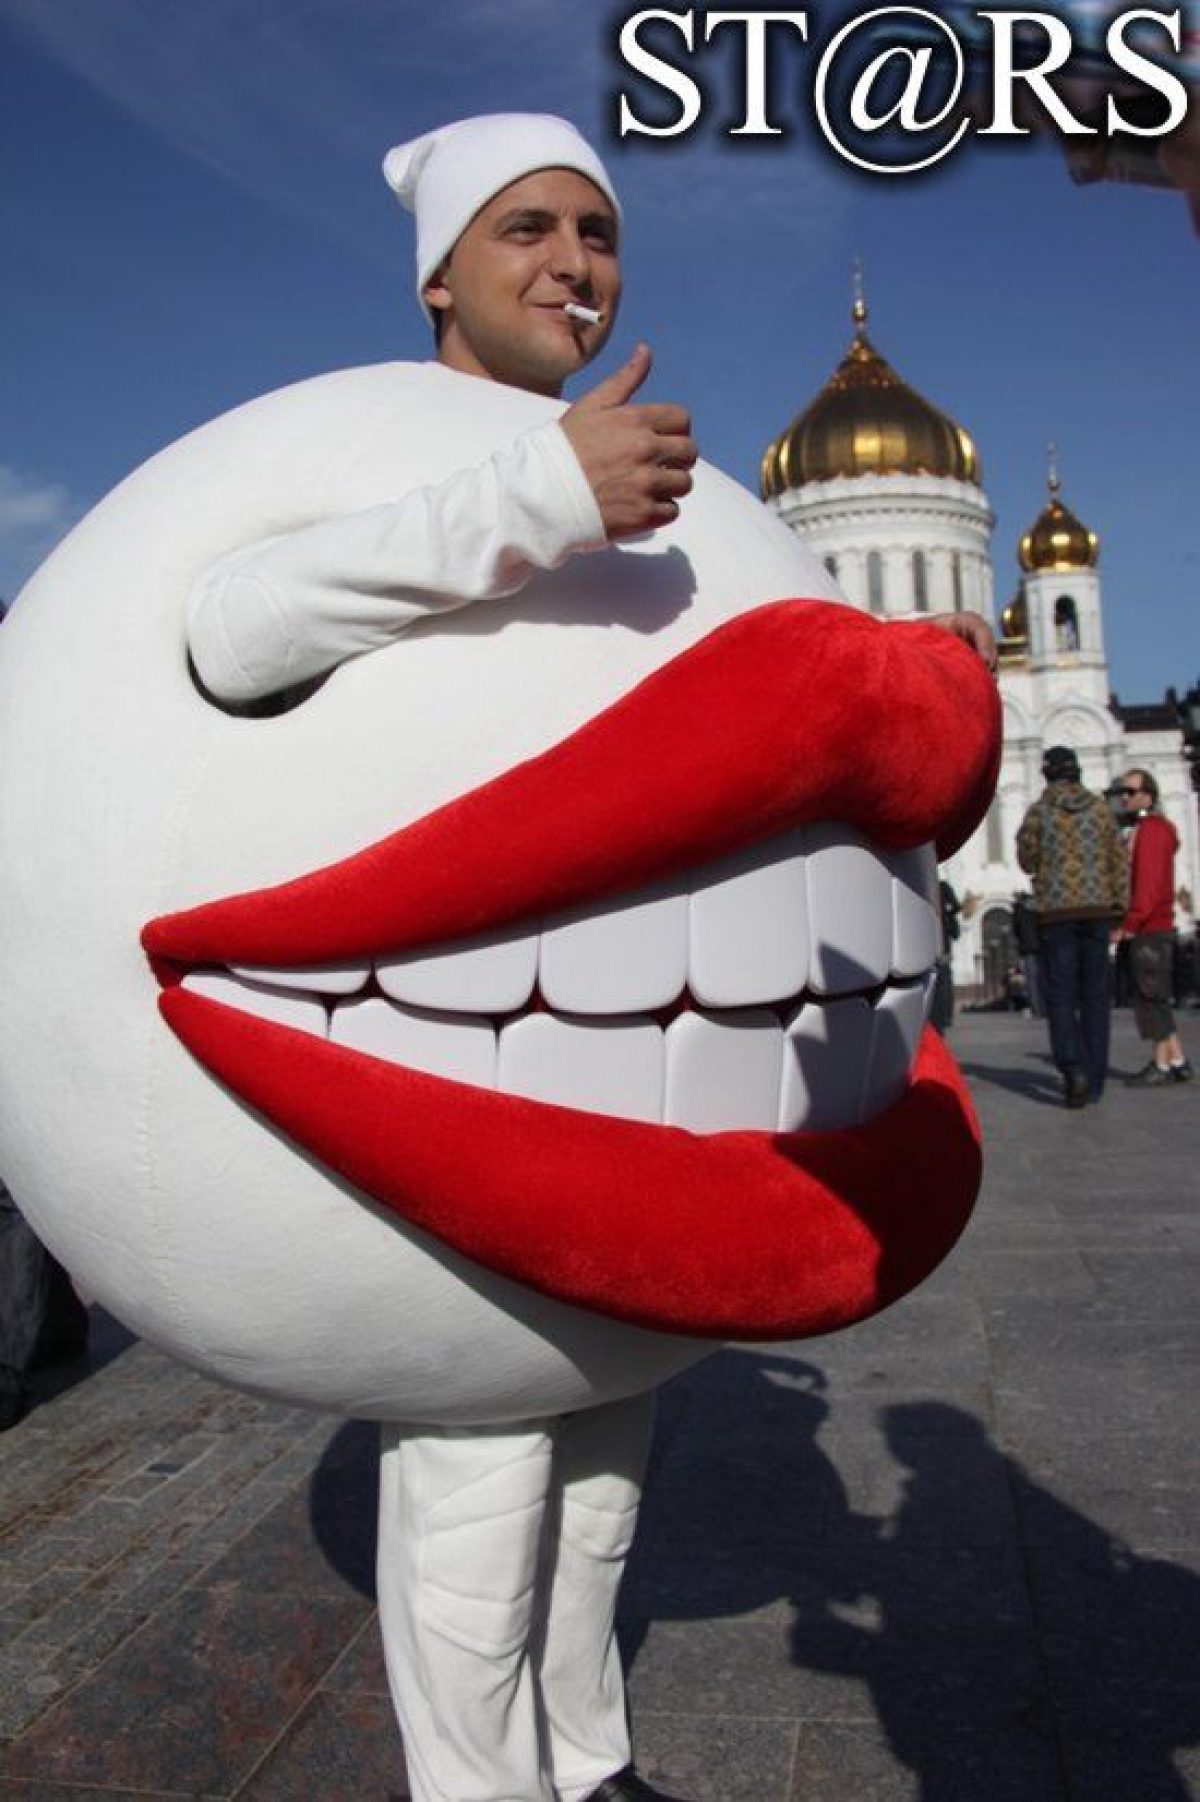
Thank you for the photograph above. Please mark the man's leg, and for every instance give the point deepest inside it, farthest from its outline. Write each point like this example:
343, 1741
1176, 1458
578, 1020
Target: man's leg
461, 1515
1151, 955
1095, 1002
601, 1461
1033, 976
1060, 968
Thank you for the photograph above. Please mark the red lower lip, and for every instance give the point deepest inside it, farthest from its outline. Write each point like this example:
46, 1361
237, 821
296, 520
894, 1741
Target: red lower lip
733, 1235
793, 712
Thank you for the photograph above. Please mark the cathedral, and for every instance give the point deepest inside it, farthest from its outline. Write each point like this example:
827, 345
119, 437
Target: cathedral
888, 491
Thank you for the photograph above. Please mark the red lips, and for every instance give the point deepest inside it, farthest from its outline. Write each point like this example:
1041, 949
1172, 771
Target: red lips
797, 711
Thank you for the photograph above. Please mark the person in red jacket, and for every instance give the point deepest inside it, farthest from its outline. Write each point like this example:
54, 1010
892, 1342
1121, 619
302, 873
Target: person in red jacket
1149, 927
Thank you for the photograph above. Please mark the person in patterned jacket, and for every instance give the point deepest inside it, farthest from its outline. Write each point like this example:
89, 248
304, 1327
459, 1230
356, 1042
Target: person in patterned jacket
1070, 845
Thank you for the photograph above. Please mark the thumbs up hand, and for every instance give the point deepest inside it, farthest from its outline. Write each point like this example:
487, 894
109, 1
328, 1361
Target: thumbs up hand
637, 458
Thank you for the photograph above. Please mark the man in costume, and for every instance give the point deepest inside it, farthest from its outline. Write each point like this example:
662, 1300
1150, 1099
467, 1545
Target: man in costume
501, 1547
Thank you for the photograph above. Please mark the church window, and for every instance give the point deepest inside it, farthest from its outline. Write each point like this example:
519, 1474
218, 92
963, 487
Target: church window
956, 580
920, 583
1066, 624
875, 581
831, 566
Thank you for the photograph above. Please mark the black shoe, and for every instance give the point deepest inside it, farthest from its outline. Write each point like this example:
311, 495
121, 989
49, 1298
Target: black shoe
1075, 1088
627, 1786
1151, 1076
1182, 1072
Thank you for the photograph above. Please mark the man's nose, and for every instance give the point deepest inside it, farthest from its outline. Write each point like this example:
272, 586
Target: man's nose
569, 257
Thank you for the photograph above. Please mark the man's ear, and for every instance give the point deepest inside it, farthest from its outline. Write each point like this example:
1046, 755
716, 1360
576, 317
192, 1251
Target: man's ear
435, 293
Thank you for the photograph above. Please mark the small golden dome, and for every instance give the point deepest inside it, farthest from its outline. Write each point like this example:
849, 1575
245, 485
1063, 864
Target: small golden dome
867, 421
1014, 619
1056, 539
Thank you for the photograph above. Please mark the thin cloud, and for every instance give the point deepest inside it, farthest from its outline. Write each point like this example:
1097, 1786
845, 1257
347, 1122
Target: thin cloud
34, 515
289, 100
280, 98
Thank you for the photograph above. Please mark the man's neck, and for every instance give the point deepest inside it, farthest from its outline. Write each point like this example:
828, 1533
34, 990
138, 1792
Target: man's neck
455, 353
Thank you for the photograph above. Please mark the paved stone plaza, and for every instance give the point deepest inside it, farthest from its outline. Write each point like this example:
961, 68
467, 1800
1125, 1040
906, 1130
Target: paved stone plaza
947, 1557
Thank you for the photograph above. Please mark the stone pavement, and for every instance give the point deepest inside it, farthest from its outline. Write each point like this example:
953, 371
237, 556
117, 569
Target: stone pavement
947, 1557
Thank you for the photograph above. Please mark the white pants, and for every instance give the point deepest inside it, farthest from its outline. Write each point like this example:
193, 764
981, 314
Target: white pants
500, 1553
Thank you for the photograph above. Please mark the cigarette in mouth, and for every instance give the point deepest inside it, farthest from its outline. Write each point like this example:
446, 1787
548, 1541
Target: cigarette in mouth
589, 315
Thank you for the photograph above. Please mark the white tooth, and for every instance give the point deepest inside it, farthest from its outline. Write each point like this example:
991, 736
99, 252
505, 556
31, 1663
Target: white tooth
610, 1066
849, 911
825, 1050
619, 956
916, 911
748, 926
461, 1046
282, 1005
724, 1074
899, 1020
491, 974
319, 979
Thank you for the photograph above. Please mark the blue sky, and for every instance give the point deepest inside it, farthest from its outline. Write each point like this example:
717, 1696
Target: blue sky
192, 214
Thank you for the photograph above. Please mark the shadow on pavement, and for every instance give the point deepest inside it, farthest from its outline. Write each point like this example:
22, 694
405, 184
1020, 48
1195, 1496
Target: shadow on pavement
983, 1617
1043, 1086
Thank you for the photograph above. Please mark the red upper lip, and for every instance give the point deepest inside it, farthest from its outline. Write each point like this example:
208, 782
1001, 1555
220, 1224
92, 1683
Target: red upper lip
799, 710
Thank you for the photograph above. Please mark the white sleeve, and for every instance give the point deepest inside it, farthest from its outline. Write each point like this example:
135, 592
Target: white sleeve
288, 608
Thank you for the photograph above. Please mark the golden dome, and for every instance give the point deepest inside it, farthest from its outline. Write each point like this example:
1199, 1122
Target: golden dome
866, 421
1014, 619
1056, 539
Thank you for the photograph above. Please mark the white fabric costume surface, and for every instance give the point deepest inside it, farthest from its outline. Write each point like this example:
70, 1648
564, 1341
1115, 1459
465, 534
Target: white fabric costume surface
360, 512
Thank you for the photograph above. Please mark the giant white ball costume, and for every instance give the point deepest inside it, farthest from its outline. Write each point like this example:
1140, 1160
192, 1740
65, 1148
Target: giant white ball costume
200, 1208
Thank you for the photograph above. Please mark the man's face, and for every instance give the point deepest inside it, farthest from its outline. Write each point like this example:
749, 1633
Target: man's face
542, 241
1133, 795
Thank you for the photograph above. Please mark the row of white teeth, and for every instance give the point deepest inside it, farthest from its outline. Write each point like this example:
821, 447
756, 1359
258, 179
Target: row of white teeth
808, 920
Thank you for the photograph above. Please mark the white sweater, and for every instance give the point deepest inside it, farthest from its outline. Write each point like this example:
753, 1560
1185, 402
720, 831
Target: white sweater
288, 608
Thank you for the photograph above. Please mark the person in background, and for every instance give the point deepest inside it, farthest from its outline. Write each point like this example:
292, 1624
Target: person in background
1148, 929
1025, 932
1070, 845
941, 1013
42, 1319
1016, 989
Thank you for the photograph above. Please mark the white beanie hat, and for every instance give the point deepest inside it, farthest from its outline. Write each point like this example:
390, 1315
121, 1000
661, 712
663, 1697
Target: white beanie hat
445, 177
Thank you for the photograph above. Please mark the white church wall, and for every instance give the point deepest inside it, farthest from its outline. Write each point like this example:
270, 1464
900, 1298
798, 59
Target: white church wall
897, 517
